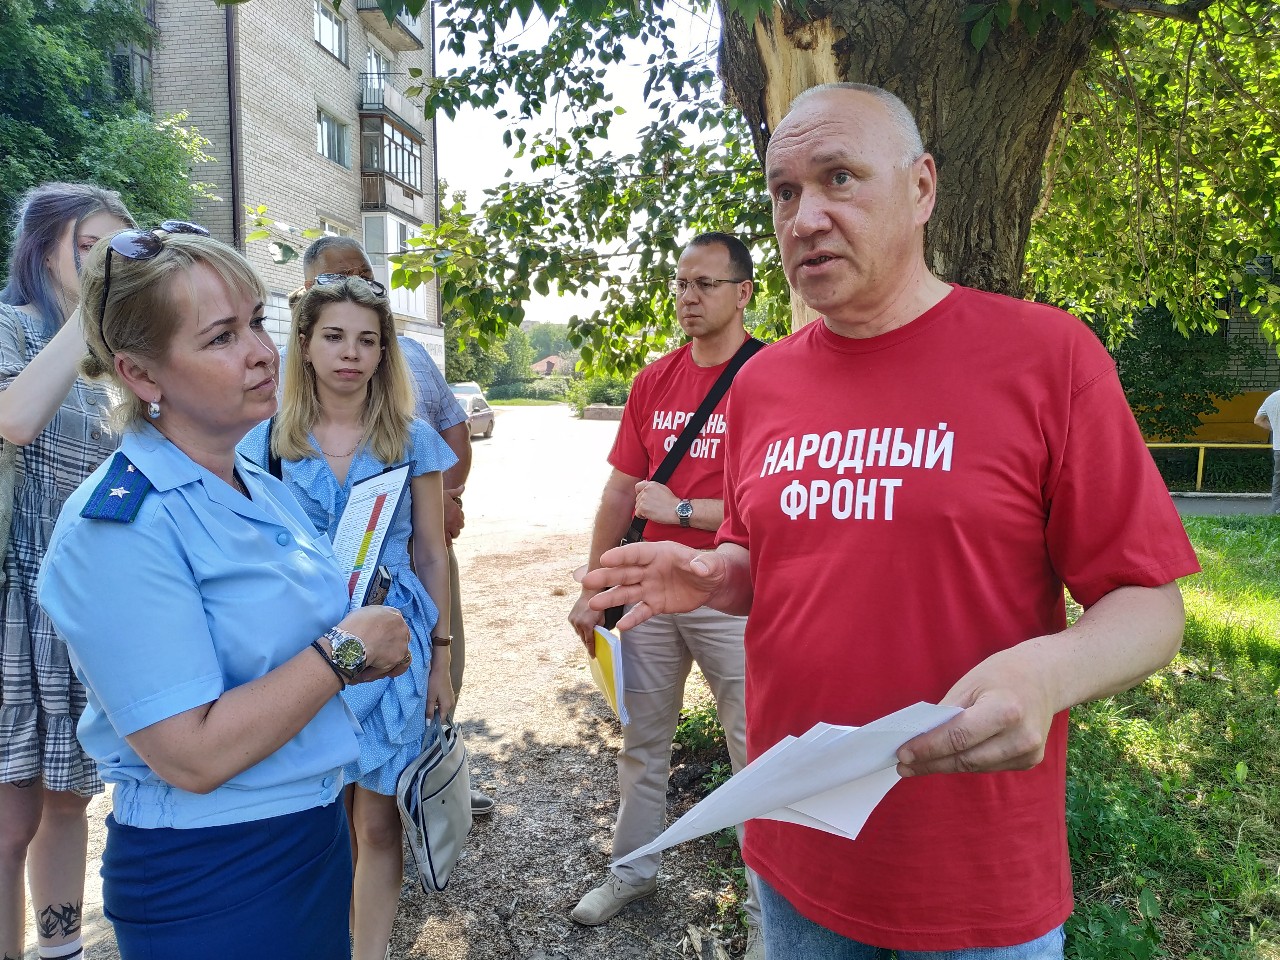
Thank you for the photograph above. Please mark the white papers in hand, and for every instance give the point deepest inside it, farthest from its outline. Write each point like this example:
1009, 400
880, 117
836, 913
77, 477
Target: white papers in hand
830, 778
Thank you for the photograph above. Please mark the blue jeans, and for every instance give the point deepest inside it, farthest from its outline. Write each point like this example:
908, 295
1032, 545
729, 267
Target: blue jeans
790, 936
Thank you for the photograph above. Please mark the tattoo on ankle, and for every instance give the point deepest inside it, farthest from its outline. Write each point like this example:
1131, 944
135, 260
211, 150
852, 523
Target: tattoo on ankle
59, 921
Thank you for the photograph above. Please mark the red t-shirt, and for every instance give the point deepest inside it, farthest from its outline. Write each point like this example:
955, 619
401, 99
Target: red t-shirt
663, 397
912, 504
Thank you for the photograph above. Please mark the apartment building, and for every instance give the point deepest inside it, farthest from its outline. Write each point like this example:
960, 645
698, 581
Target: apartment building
304, 105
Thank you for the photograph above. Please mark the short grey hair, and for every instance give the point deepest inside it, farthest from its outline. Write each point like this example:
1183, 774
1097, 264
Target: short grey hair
899, 113
327, 242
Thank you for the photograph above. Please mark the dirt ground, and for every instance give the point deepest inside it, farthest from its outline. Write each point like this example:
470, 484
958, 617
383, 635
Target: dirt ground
542, 742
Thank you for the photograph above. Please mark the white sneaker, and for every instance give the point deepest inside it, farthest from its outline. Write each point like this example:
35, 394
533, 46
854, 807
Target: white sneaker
604, 902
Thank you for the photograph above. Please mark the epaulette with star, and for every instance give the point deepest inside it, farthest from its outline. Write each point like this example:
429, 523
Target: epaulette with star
120, 494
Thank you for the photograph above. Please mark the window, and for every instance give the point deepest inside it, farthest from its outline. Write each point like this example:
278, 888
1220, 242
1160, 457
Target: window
331, 31
377, 67
331, 138
386, 148
404, 233
402, 156
331, 229
131, 71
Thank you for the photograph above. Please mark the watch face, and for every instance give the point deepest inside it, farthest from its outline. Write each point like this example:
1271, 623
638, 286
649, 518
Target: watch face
684, 509
348, 654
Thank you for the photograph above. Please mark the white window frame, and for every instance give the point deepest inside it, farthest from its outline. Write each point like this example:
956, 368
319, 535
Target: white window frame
333, 138
330, 31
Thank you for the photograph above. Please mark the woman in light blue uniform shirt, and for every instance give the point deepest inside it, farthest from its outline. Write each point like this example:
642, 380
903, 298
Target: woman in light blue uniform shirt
208, 622
346, 416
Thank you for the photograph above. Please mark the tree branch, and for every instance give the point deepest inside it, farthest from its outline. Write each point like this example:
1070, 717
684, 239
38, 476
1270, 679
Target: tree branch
1188, 10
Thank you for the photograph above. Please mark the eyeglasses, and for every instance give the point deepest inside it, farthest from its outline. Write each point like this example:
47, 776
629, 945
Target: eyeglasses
703, 285
324, 279
138, 245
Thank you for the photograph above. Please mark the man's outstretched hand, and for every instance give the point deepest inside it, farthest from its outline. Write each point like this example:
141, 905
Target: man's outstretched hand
662, 577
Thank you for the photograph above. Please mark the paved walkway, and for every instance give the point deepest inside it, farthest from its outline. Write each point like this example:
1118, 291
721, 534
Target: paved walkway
1221, 504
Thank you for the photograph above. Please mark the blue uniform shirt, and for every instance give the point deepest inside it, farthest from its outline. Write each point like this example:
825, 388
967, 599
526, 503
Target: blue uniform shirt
203, 591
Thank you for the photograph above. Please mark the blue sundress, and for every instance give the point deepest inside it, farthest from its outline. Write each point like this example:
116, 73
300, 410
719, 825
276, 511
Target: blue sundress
391, 711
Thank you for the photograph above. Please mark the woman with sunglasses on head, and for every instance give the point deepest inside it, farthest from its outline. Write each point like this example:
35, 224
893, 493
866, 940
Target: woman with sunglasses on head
56, 419
209, 624
346, 415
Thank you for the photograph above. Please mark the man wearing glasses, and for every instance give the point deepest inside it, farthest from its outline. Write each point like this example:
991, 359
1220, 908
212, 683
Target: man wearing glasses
339, 257
712, 288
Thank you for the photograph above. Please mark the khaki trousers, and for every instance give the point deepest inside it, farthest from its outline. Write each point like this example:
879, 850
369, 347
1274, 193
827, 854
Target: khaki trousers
656, 658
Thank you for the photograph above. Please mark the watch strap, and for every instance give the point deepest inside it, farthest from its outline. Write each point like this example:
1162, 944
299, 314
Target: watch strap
337, 672
441, 641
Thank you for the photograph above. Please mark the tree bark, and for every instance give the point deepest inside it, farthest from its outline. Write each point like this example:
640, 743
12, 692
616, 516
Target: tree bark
986, 115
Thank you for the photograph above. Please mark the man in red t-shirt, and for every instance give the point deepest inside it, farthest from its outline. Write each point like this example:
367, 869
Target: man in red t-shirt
909, 484
712, 289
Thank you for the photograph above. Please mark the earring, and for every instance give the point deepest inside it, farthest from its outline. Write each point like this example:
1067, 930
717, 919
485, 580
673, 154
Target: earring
153, 409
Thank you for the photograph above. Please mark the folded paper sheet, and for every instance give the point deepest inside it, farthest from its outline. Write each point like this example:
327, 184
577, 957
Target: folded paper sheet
830, 778
606, 671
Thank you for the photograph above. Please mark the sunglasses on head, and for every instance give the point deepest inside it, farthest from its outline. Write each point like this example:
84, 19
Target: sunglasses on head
325, 279
138, 245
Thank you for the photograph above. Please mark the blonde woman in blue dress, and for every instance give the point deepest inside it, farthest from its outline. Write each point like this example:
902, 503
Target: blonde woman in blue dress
346, 415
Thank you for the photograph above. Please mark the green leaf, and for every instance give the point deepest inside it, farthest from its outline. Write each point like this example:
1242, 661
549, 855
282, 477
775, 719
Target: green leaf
1148, 905
982, 30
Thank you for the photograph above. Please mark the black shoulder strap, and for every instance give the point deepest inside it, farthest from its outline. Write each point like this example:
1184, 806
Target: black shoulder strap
691, 429
273, 461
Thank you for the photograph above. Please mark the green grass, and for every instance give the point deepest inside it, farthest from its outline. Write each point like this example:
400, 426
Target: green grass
1173, 794
526, 402
1174, 787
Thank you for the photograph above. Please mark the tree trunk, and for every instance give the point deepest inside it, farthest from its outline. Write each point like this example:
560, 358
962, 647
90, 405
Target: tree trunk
986, 116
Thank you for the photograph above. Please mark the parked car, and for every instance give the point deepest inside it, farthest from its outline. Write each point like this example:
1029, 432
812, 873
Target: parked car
480, 415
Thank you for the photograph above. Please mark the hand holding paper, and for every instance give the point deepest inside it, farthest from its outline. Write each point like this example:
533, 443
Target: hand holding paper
830, 778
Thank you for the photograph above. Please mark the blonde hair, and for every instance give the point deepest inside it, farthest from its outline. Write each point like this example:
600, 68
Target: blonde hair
389, 405
142, 313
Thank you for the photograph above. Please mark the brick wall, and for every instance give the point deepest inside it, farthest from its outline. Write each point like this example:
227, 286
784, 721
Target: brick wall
189, 72
283, 75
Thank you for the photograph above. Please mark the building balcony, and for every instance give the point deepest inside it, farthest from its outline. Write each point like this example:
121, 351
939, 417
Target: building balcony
402, 34
378, 191
379, 97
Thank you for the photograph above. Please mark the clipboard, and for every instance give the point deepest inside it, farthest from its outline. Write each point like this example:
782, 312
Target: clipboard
606, 671
362, 530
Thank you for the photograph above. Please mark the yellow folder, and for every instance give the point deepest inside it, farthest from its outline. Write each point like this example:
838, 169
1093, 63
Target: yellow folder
606, 671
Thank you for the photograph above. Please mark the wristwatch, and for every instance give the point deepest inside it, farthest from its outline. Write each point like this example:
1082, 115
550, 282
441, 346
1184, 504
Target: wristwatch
684, 512
348, 654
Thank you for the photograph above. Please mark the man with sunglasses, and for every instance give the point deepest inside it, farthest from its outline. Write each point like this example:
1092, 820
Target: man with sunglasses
340, 257
712, 287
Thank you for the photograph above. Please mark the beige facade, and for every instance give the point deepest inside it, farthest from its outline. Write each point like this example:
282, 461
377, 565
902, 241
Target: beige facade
304, 108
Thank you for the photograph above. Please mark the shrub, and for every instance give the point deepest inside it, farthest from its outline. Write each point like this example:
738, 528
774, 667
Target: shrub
1225, 470
544, 388
611, 389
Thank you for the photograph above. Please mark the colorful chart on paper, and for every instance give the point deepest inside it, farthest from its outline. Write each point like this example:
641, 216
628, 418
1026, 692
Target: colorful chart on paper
363, 528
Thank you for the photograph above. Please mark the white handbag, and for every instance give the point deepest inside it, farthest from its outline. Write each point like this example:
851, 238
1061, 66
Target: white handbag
434, 797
